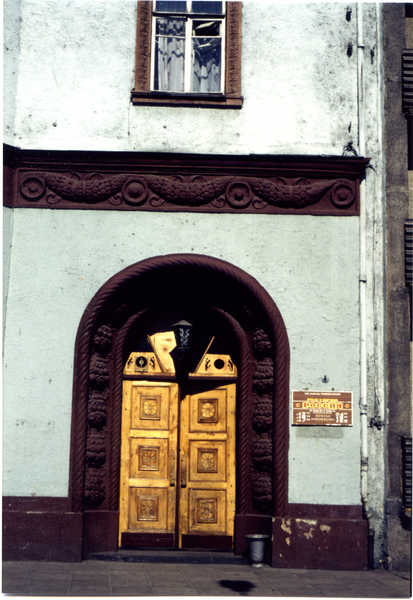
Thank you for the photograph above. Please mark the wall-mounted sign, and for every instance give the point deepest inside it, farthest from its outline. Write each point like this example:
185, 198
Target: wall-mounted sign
322, 408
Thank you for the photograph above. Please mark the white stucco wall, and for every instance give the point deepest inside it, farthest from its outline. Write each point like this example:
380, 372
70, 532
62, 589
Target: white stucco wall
76, 70
61, 258
69, 72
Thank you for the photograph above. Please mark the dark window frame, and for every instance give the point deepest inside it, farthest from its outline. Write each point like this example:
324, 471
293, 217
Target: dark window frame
230, 98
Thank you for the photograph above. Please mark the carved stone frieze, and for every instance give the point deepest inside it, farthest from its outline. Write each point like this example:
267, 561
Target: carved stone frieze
95, 492
98, 373
263, 378
262, 417
96, 413
262, 492
95, 448
228, 193
262, 453
143, 49
234, 48
261, 345
102, 341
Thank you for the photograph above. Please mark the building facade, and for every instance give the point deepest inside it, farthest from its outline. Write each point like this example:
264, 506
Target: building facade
231, 165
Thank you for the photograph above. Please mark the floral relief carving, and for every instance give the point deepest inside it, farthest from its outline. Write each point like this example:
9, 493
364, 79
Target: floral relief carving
233, 76
32, 187
144, 45
208, 410
150, 407
147, 509
207, 461
207, 510
128, 190
148, 458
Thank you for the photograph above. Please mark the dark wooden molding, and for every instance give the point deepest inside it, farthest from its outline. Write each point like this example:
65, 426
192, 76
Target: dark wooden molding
181, 182
143, 47
231, 98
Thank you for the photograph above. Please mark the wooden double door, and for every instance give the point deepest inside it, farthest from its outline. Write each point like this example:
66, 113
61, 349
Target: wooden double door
177, 465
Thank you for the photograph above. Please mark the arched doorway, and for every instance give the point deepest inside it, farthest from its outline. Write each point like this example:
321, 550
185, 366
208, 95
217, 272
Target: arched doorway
178, 460
221, 296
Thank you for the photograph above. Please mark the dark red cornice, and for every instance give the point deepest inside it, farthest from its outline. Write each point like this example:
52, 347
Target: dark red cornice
263, 184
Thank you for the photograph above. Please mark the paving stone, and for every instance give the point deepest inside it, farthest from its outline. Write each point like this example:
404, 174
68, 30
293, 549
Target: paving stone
400, 586
131, 577
131, 591
126, 567
13, 587
174, 591
93, 578
89, 590
294, 588
336, 591
47, 588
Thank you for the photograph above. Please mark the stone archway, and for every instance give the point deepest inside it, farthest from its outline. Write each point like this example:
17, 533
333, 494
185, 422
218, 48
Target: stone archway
213, 286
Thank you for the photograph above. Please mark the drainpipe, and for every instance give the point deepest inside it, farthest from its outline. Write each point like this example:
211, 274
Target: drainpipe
363, 284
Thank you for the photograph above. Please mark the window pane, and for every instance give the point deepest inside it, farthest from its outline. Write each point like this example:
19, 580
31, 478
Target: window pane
207, 6
170, 27
171, 6
206, 66
169, 55
206, 28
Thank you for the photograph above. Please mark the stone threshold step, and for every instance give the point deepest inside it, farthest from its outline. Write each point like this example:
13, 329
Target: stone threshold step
171, 556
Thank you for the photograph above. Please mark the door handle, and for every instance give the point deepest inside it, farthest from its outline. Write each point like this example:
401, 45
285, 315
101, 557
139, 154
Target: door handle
172, 469
184, 464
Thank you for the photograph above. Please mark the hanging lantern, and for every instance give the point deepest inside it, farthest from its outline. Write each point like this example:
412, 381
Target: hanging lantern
181, 354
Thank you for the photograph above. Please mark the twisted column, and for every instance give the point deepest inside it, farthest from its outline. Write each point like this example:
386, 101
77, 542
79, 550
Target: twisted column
242, 414
115, 428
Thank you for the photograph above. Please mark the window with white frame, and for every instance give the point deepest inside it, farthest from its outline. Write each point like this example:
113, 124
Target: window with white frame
188, 46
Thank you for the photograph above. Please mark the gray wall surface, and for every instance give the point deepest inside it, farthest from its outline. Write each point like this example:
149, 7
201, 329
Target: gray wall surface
77, 59
70, 73
61, 258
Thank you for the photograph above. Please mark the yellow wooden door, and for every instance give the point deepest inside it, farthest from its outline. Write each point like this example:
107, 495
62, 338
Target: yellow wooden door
207, 458
148, 461
177, 478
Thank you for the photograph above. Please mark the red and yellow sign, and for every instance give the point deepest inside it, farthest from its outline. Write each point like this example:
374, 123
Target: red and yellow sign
322, 408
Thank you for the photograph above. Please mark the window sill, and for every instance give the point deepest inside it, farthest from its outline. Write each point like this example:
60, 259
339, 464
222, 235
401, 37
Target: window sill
199, 100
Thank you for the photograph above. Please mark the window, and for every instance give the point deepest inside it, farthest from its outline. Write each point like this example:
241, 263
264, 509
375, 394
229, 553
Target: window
188, 53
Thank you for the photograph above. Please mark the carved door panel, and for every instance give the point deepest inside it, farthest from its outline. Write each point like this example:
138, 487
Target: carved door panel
207, 460
148, 463
173, 471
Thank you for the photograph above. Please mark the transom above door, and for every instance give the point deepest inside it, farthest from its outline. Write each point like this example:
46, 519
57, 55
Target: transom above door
178, 451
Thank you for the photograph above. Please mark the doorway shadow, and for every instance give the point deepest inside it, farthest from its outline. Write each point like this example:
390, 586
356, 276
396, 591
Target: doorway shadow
239, 585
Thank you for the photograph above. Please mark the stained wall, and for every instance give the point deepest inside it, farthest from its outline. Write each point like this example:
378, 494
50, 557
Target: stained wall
300, 97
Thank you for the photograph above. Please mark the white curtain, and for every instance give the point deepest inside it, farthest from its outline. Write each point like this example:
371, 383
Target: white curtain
170, 55
206, 75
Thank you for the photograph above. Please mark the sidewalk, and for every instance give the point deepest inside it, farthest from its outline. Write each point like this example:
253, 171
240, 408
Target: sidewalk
122, 577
